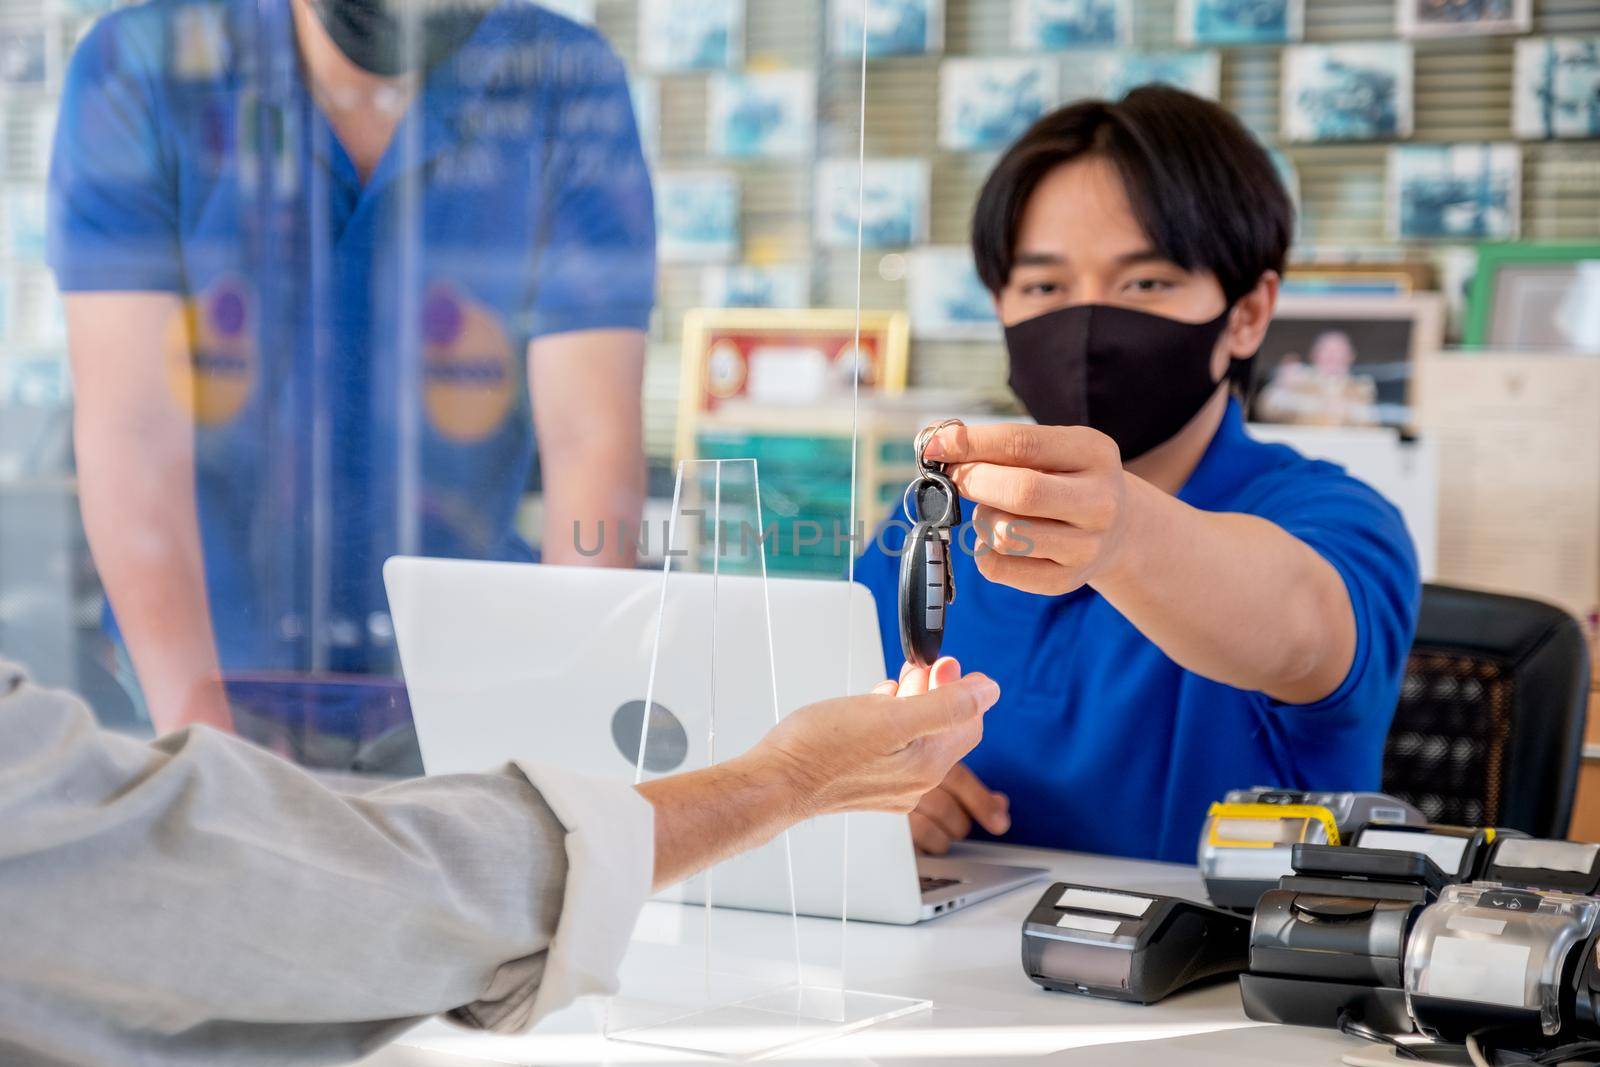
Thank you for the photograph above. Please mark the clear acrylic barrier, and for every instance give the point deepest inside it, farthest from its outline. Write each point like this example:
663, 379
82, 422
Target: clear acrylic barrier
714, 980
734, 983
766, 1024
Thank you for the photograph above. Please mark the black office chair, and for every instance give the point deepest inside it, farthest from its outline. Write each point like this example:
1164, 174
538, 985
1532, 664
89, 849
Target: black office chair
1489, 728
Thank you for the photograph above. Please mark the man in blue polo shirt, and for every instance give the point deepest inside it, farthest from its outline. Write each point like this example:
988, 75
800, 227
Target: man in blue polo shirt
1171, 608
328, 264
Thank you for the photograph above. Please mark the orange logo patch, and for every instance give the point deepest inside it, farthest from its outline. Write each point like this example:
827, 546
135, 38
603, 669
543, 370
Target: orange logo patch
211, 353
466, 365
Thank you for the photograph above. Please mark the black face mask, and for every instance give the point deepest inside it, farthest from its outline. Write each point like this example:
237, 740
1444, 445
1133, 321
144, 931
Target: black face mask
372, 33
1137, 378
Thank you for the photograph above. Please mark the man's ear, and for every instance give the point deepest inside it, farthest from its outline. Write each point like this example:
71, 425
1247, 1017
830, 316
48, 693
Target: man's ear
1251, 316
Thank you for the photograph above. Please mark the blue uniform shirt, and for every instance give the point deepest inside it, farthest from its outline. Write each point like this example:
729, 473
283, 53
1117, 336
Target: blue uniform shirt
358, 348
1104, 744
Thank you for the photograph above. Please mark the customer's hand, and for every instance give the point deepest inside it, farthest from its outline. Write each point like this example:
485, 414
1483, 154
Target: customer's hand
885, 750
946, 813
878, 752
1051, 500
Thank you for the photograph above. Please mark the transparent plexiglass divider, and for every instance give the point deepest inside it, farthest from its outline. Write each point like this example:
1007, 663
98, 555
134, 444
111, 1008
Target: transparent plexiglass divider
728, 981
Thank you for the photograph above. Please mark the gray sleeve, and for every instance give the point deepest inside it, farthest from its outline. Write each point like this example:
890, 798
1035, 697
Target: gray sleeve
200, 901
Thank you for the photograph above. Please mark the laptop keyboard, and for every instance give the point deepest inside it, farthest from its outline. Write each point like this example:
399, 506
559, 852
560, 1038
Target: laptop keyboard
930, 883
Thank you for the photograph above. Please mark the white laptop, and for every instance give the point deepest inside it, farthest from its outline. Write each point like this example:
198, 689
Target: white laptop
551, 664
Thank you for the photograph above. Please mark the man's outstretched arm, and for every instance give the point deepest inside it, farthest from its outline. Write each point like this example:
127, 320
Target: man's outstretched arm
199, 901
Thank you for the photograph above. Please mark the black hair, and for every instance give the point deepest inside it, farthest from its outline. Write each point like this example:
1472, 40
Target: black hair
1201, 186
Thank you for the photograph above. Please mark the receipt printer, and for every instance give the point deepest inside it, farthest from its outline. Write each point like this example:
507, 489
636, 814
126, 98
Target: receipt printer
1139, 947
1568, 866
1460, 852
1498, 958
1244, 846
1330, 941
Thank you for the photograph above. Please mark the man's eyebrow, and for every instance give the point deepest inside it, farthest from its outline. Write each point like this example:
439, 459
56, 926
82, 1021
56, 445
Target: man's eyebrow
1142, 255
1054, 259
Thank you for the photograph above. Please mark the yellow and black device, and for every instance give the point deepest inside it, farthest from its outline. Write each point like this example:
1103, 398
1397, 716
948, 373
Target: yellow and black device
1248, 837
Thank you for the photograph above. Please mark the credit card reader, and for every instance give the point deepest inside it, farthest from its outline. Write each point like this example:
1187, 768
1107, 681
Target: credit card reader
1329, 942
1138, 947
1246, 841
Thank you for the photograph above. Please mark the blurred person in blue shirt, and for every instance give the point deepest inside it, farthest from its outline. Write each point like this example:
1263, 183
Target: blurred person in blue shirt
1172, 608
328, 266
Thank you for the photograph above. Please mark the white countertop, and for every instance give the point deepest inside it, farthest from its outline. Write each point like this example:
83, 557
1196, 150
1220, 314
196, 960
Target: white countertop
968, 964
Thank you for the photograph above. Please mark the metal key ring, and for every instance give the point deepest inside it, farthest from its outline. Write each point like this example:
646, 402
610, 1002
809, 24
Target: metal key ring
925, 435
934, 478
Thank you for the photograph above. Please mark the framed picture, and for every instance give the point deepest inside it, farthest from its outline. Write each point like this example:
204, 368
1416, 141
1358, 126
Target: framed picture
49, 312
22, 221
803, 356
1454, 18
1536, 296
677, 35
985, 104
8, 305
1347, 92
1055, 25
765, 115
86, 9
746, 285
1198, 72
30, 56
1344, 360
645, 95
1456, 265
34, 315
1556, 88
1289, 175
1456, 191
697, 216
945, 297
41, 381
1320, 283
1358, 279
893, 27
576, 10
892, 195
40, 133
1240, 21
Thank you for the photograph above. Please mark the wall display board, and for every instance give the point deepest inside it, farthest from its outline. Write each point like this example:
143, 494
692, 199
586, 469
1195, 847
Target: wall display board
1517, 78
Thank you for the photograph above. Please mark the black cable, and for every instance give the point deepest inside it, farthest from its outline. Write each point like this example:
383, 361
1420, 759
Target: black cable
1587, 1052
1485, 1054
1348, 1025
